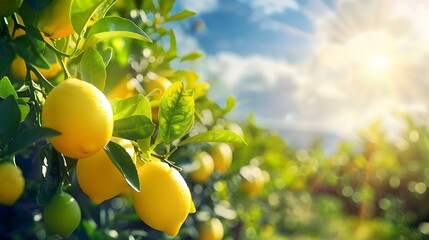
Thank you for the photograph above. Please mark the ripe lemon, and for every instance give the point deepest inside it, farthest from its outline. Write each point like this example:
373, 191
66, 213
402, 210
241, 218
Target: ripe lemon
82, 114
99, 178
54, 19
160, 83
212, 230
19, 70
222, 157
7, 7
62, 214
204, 168
124, 89
164, 200
11, 183
253, 179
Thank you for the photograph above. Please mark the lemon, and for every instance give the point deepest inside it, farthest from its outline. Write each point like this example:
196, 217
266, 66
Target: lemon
7, 7
99, 178
19, 70
54, 19
62, 214
211, 230
253, 179
83, 116
222, 157
204, 168
161, 83
11, 183
124, 89
164, 200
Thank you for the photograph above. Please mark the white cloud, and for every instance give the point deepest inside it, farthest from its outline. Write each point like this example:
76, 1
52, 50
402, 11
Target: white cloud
270, 7
200, 6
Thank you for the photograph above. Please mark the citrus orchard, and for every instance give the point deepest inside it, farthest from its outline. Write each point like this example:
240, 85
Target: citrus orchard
164, 200
83, 116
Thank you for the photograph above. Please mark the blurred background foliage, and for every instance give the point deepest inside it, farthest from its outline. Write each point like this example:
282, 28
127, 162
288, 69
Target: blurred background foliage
374, 188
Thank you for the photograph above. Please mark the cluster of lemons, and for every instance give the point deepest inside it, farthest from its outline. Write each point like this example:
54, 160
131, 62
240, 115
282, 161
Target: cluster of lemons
83, 116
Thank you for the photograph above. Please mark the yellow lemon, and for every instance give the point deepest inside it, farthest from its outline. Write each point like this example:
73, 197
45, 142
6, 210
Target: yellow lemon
253, 179
62, 214
164, 200
99, 178
83, 116
160, 83
124, 89
9, 6
19, 70
54, 19
204, 168
212, 230
11, 183
222, 157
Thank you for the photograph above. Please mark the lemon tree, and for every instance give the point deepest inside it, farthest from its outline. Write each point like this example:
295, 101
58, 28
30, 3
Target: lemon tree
59, 61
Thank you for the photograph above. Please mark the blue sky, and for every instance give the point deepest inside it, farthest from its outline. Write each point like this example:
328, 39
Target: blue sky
314, 67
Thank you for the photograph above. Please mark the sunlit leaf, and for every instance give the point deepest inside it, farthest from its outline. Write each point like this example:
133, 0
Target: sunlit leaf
106, 54
110, 27
81, 12
165, 6
226, 136
191, 56
122, 160
135, 105
93, 69
176, 113
134, 127
181, 15
6, 88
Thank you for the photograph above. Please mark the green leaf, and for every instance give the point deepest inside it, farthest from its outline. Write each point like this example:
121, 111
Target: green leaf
23, 108
134, 127
191, 56
53, 163
31, 50
181, 15
165, 7
29, 136
106, 54
7, 55
124, 163
135, 105
226, 136
9, 120
230, 104
93, 69
6, 88
81, 12
110, 27
176, 113
172, 52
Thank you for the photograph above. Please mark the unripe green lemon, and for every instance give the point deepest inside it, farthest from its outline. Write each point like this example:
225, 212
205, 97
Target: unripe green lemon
62, 214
